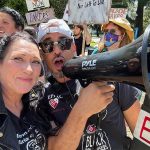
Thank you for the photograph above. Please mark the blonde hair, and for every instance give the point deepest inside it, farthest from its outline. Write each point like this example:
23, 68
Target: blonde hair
126, 40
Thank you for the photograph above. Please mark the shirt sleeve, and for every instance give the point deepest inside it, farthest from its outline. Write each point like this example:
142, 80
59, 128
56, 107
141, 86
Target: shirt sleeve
127, 95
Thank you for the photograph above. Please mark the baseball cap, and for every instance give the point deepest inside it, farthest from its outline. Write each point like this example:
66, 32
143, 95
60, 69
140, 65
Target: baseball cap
52, 26
124, 23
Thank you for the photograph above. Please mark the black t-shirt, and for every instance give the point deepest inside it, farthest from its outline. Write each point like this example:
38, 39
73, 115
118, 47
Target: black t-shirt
29, 130
58, 101
78, 43
104, 131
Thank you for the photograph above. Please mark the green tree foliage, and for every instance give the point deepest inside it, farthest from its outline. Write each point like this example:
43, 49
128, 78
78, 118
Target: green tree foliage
140, 22
146, 18
19, 5
59, 7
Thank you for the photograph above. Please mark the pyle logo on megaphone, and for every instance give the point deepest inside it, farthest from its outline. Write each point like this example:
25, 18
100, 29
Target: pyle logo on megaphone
89, 64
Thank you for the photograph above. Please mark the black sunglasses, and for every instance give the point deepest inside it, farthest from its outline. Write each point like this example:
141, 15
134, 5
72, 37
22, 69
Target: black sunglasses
48, 45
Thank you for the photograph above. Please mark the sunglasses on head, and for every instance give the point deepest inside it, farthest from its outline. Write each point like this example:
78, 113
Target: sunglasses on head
48, 45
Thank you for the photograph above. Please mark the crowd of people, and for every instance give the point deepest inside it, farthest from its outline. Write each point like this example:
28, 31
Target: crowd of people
57, 113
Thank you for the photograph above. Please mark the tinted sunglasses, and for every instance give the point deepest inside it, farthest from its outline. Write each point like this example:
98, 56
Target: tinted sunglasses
48, 45
112, 31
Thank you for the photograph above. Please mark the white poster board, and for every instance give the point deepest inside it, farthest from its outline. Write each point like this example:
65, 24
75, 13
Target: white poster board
36, 4
65, 16
118, 13
40, 16
89, 11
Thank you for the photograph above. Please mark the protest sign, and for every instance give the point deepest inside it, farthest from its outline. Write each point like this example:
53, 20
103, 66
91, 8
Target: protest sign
36, 4
40, 16
118, 12
89, 11
65, 16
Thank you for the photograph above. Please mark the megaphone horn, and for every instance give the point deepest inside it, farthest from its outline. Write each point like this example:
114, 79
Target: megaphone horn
122, 65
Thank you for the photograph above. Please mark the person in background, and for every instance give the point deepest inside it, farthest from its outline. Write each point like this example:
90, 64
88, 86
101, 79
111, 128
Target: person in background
117, 33
104, 129
31, 30
78, 37
10, 21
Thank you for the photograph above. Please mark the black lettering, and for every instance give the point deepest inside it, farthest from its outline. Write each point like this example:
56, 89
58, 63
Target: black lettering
88, 4
94, 3
33, 17
38, 4
41, 4
80, 6
100, 2
40, 16
45, 15
34, 5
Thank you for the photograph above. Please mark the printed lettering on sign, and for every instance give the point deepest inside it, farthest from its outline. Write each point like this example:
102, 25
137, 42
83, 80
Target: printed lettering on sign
39, 16
118, 12
142, 129
80, 11
145, 131
36, 4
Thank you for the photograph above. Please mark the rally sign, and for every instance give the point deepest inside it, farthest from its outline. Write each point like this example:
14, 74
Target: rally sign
65, 16
36, 4
89, 11
118, 13
40, 16
142, 130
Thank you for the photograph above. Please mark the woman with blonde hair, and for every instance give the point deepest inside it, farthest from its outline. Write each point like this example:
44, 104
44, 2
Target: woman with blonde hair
117, 33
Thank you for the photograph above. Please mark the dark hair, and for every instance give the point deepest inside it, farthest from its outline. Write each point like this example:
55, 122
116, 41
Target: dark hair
79, 26
6, 41
18, 19
31, 30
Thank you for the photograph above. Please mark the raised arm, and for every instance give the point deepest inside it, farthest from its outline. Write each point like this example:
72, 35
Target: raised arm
92, 99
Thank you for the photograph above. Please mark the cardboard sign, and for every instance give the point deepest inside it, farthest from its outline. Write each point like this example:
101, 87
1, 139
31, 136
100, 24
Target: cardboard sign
118, 13
40, 16
89, 11
142, 129
36, 4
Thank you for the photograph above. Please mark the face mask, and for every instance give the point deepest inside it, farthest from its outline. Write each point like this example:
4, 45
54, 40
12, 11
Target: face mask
110, 39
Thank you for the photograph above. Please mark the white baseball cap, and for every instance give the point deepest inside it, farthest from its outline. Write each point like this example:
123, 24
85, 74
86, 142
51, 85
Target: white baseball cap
52, 26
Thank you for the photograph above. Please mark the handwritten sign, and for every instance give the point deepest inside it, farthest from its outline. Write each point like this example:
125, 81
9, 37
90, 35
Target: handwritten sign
89, 11
36, 4
65, 16
118, 13
40, 16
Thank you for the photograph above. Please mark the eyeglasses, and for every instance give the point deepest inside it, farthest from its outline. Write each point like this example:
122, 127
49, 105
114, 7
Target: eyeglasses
112, 31
48, 45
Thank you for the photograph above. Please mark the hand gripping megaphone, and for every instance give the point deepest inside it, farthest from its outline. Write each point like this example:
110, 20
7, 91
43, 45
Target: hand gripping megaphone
129, 64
